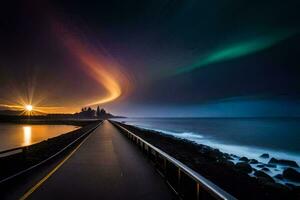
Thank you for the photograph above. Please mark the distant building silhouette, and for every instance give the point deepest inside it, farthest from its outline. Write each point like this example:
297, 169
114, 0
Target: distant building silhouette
98, 112
86, 113
91, 113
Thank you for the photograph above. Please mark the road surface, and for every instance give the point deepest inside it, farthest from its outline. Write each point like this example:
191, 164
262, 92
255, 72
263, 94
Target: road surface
105, 166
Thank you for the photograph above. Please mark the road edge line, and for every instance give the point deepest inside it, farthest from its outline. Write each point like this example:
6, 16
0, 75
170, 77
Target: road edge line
36, 186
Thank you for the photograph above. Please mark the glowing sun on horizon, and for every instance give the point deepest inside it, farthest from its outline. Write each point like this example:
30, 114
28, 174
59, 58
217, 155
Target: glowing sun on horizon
28, 108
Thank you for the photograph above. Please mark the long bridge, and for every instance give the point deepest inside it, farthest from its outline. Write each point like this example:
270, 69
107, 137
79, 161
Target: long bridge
106, 165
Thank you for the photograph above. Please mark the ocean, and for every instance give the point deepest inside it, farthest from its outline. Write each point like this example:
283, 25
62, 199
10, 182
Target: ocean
250, 137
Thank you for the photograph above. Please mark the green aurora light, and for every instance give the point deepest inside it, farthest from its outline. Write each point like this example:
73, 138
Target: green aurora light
235, 50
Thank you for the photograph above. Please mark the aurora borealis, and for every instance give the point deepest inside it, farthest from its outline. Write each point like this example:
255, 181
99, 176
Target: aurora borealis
150, 58
237, 50
102, 68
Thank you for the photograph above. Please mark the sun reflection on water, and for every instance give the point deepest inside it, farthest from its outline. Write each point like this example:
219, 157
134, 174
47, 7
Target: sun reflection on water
26, 135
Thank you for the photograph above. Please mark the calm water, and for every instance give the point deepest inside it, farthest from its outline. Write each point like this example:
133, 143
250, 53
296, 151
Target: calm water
244, 137
15, 135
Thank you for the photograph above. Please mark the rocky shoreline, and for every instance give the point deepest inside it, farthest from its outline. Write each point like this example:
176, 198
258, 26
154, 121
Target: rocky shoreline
242, 177
281, 171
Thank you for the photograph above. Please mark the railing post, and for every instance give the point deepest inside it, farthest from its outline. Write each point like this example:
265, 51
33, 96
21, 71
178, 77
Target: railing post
143, 147
178, 179
198, 191
155, 154
148, 152
165, 167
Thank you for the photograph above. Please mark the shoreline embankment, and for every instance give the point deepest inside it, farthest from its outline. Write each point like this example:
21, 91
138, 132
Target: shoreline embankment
233, 174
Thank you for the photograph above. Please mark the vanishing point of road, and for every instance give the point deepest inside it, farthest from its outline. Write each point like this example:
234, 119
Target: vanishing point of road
105, 166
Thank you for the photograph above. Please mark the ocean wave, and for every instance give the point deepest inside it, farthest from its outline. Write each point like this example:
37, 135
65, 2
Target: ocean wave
184, 135
252, 152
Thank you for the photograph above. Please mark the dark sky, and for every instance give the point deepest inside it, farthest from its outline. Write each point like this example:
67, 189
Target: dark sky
152, 58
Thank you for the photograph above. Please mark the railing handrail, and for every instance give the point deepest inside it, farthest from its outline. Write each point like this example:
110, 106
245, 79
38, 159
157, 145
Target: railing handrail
51, 157
211, 187
13, 149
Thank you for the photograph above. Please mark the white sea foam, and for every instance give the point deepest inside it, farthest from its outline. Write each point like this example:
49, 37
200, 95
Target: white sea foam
251, 152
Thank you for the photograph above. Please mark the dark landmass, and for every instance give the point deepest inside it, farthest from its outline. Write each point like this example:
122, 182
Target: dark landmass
99, 113
9, 116
33, 154
10, 112
219, 168
44, 120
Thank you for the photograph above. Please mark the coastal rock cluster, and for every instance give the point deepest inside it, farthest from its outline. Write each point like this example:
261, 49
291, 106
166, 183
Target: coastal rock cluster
290, 163
242, 177
290, 175
244, 166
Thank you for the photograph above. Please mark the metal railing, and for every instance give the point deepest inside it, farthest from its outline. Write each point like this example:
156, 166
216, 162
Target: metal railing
185, 182
49, 158
9, 152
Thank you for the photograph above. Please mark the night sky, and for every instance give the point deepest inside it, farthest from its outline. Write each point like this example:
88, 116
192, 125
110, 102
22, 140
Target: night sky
152, 58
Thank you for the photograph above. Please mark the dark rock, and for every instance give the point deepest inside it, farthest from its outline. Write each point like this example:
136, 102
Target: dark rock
264, 176
264, 155
227, 156
244, 159
279, 176
291, 174
260, 165
290, 185
290, 163
279, 186
270, 165
228, 163
295, 188
253, 161
234, 156
230, 158
243, 166
265, 169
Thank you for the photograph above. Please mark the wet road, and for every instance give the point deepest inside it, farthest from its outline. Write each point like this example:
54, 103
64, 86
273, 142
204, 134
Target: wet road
105, 166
